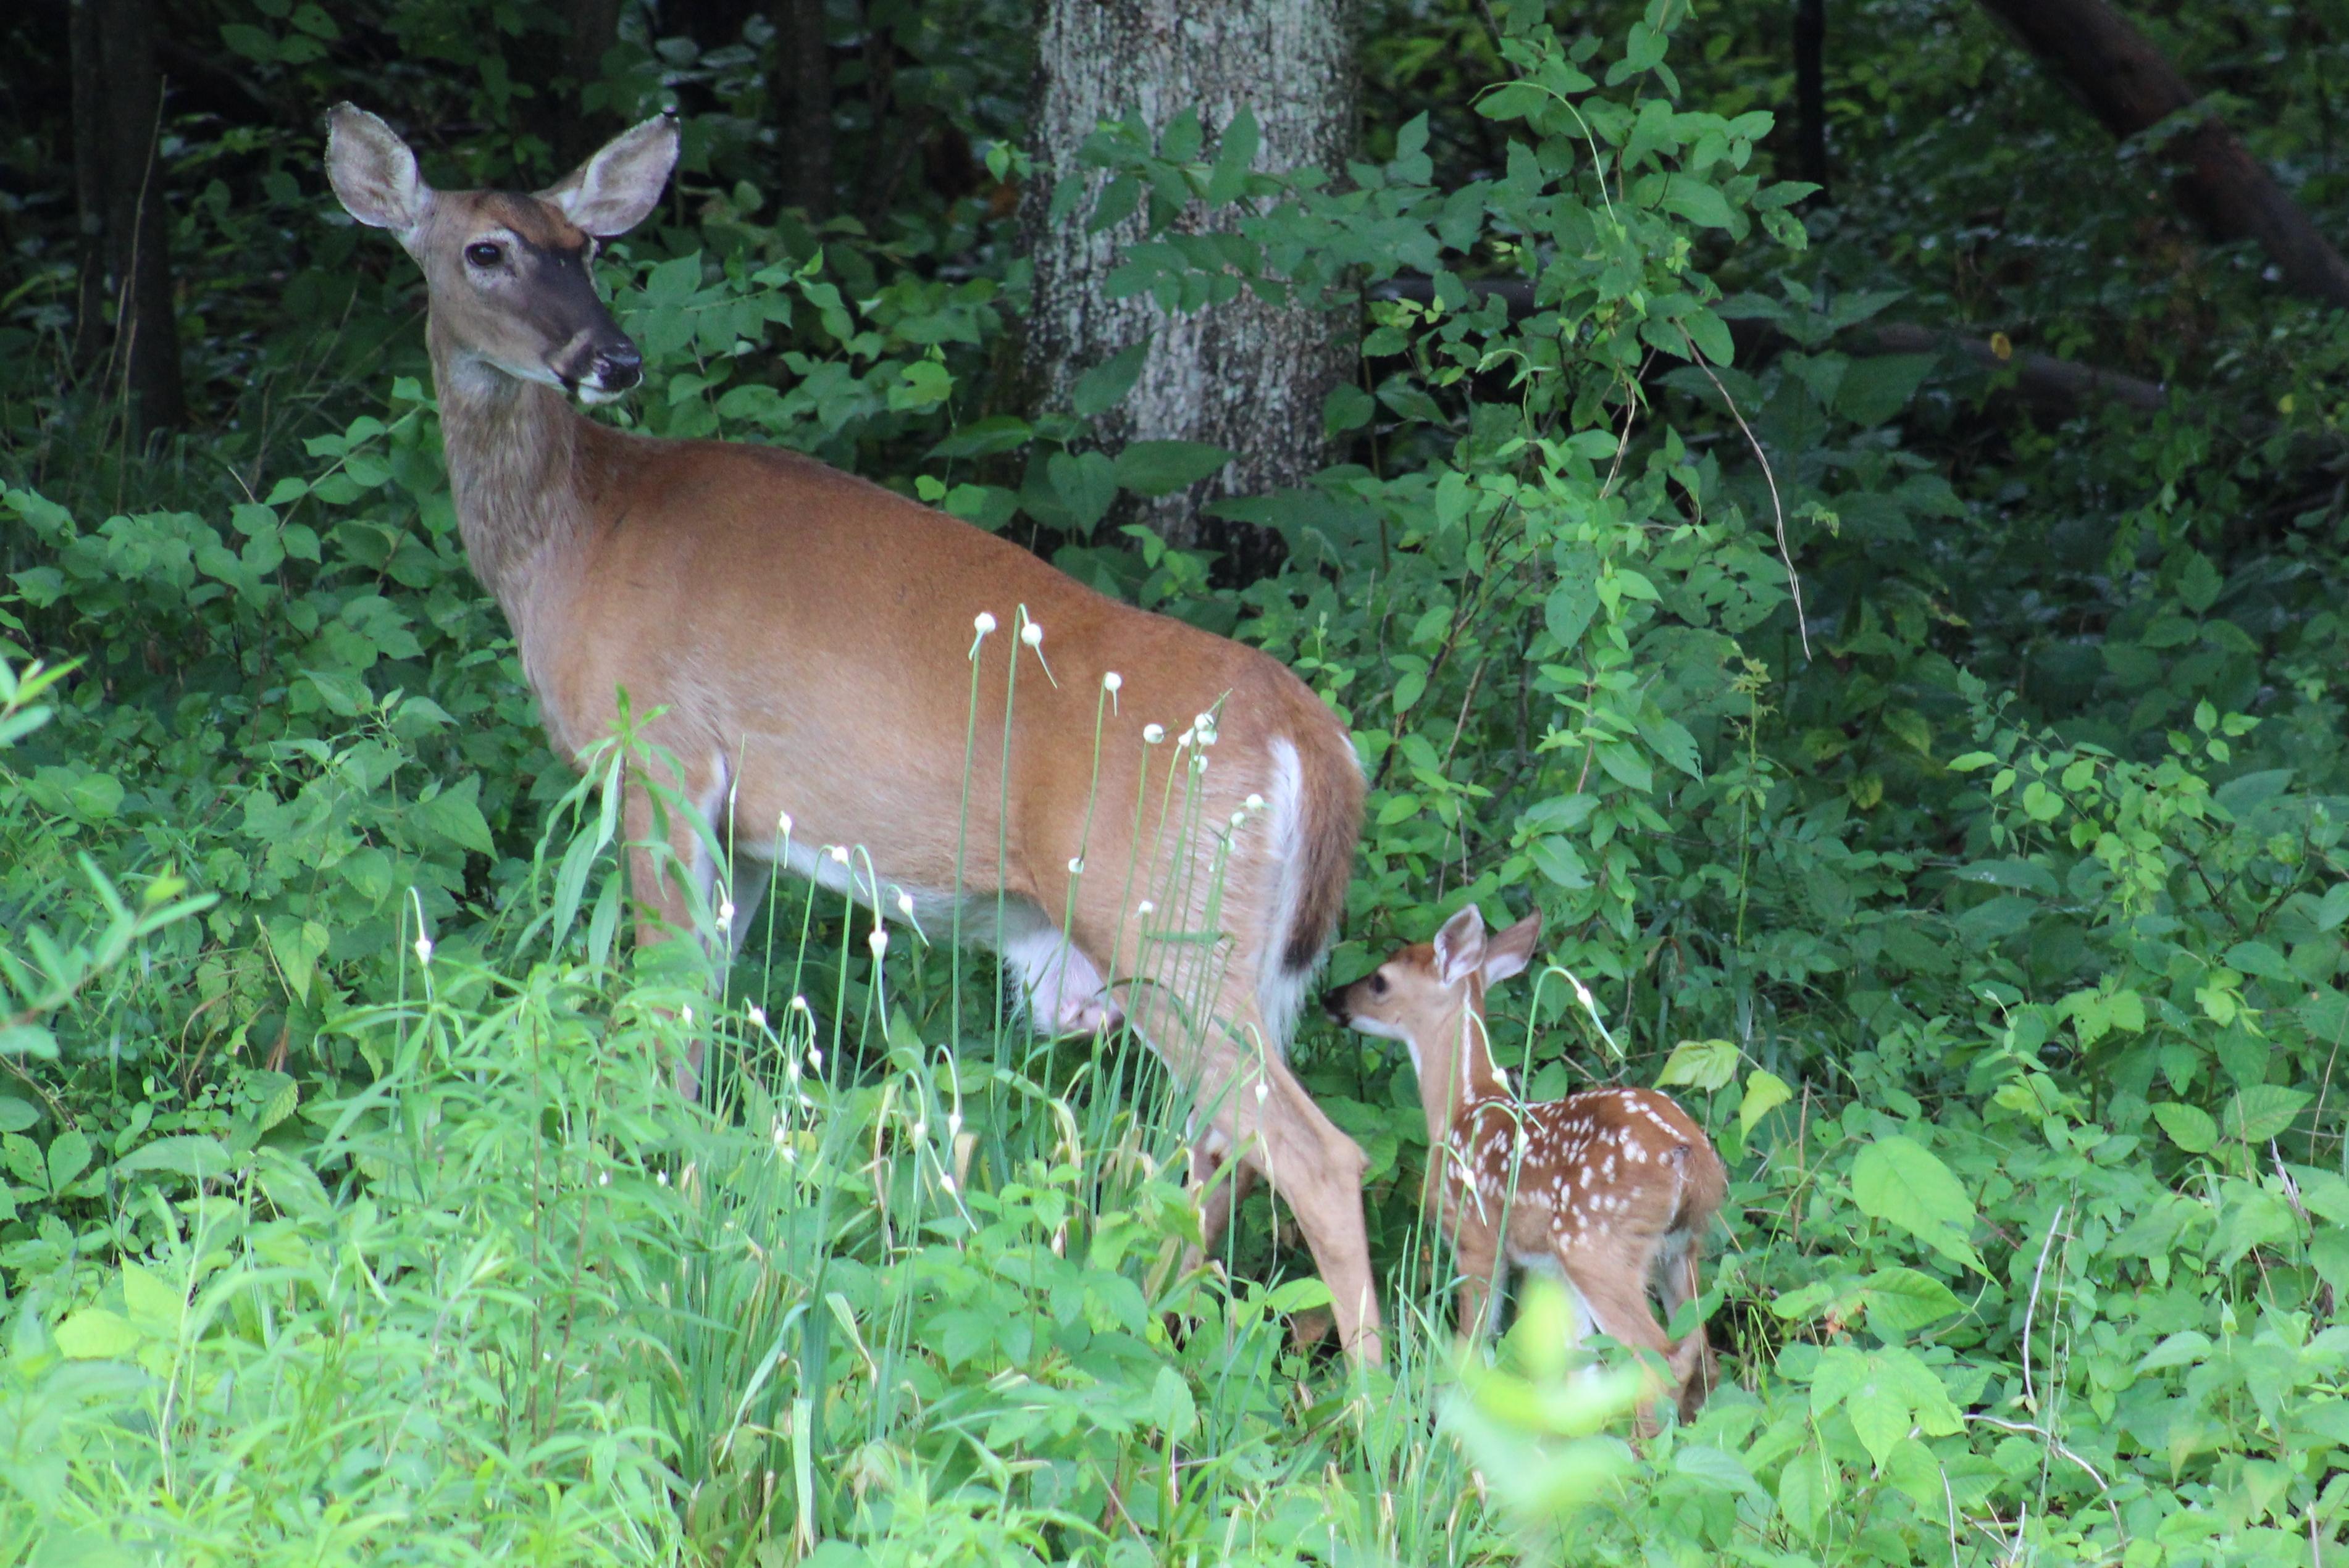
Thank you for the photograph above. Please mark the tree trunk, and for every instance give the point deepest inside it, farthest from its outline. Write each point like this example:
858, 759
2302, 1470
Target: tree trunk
802, 89
118, 178
1246, 376
2128, 85
595, 28
1810, 91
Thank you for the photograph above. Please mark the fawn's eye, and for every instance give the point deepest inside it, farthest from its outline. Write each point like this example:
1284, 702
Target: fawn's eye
485, 254
1378, 985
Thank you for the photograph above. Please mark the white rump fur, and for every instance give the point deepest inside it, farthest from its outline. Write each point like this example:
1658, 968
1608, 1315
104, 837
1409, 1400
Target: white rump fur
1279, 991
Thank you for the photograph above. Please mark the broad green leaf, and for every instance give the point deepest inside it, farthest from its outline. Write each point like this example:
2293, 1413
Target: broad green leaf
16, 1115
1901, 1300
1104, 386
1708, 1064
153, 1304
69, 1157
94, 1333
2262, 1111
1764, 1092
187, 1154
2189, 1125
1574, 601
1162, 467
1902, 1181
1085, 482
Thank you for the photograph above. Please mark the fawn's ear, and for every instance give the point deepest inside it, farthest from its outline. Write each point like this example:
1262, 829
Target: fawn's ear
373, 173
1460, 947
1509, 953
618, 188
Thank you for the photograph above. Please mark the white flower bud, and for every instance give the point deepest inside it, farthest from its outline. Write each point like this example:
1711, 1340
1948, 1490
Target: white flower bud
1255, 802
983, 623
1077, 865
783, 823
839, 852
878, 940
1152, 733
424, 951
757, 1015
1112, 680
1032, 634
1145, 907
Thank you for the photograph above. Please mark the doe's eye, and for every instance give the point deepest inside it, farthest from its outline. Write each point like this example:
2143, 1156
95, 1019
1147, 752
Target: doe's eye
485, 254
1378, 985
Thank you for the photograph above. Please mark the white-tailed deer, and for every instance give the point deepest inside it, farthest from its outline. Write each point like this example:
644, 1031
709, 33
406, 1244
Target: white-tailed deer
1613, 1188
802, 643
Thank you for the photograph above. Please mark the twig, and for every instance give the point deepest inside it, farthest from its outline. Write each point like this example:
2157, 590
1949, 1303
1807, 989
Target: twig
2030, 1312
2056, 1444
1794, 583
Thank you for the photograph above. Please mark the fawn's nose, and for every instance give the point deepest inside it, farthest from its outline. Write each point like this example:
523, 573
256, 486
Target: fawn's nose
1334, 1003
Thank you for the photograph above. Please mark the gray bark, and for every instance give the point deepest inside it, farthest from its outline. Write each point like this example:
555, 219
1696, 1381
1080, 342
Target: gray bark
1246, 376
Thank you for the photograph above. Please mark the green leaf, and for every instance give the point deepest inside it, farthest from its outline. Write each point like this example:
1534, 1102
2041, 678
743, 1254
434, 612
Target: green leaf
1574, 601
191, 1155
1085, 482
1708, 1064
1235, 156
1348, 408
1764, 1092
1901, 1300
16, 1115
1904, 1184
69, 1157
1700, 204
2262, 1111
1162, 467
1879, 385
276, 1094
94, 1334
1669, 738
1104, 386
153, 1304
2189, 1125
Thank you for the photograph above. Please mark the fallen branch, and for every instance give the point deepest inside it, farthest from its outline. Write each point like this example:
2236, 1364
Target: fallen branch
2132, 88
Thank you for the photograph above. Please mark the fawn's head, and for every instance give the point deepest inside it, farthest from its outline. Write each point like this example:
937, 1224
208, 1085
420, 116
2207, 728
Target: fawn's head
508, 273
1427, 982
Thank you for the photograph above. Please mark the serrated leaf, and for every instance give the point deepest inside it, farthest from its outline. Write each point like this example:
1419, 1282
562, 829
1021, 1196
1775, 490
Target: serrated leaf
1899, 1181
153, 1304
94, 1334
1084, 482
1708, 1064
2262, 1111
2189, 1125
69, 1157
1901, 1300
1104, 386
1764, 1092
1162, 467
192, 1155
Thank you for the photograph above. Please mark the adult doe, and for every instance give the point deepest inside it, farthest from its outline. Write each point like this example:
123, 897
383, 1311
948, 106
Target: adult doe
1612, 1189
805, 642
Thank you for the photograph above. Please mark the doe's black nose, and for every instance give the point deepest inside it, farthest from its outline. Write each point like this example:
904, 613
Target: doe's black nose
619, 369
1334, 1003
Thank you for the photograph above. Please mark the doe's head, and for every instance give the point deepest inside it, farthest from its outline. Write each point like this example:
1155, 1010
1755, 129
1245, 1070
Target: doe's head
508, 273
1424, 983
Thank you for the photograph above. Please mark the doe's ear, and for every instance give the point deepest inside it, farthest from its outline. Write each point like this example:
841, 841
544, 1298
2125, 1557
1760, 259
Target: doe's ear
1508, 953
617, 187
373, 173
1460, 947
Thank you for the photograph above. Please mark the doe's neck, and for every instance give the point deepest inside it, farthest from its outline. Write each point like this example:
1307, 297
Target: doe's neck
515, 450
